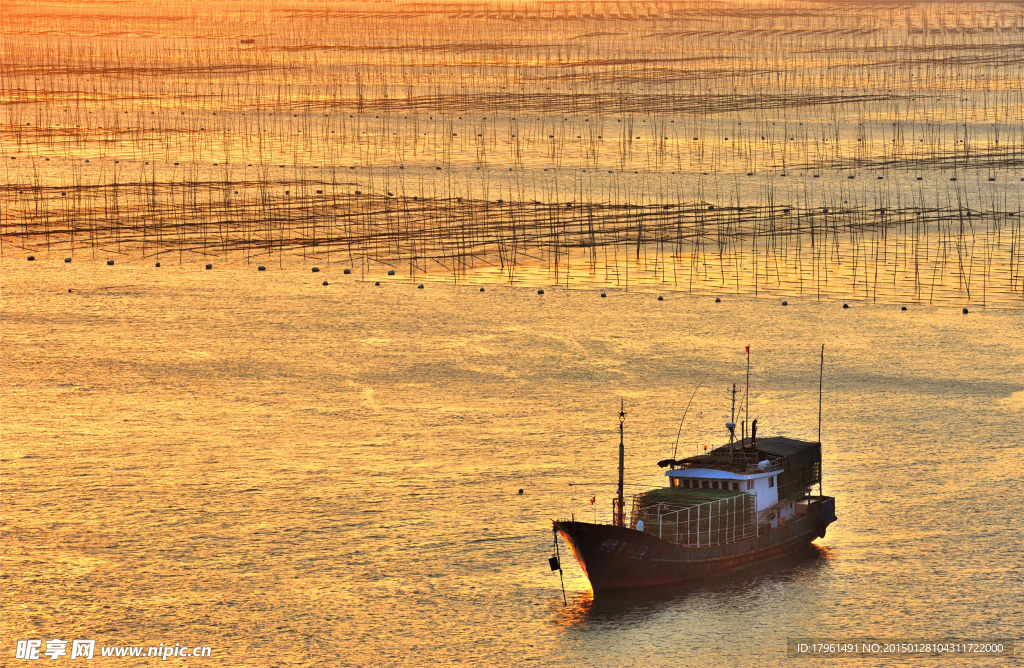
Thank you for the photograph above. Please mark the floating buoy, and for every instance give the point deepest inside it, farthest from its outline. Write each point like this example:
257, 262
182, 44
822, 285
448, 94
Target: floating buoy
261, 268
846, 306
348, 271
325, 282
718, 300
603, 294
376, 282
420, 286
158, 264
661, 298
67, 259
316, 269
965, 310
31, 258
540, 292
481, 289
391, 272
785, 303
904, 308
69, 289
110, 263
209, 266
520, 491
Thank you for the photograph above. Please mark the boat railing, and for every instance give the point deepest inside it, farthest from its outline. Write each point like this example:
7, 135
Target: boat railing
699, 525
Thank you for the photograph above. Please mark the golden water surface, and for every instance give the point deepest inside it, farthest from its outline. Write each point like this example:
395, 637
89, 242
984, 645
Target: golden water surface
300, 474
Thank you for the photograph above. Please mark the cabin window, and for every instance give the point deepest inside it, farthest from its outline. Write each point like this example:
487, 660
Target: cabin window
688, 483
750, 484
675, 482
735, 487
771, 481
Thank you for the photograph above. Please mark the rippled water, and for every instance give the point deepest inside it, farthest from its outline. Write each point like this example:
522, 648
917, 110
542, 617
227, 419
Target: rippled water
298, 474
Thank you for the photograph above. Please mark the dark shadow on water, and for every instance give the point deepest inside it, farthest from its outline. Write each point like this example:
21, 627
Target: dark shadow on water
728, 589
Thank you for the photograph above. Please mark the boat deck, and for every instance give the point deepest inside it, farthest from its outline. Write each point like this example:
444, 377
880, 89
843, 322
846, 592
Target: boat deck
683, 496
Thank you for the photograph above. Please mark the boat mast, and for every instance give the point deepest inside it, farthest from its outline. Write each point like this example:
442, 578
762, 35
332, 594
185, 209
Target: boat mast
619, 519
732, 416
746, 398
731, 424
821, 376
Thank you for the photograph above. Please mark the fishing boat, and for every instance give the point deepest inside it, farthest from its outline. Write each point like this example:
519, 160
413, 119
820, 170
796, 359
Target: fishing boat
736, 505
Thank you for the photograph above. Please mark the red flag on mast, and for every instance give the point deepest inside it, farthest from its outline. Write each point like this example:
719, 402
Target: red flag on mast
592, 500
748, 350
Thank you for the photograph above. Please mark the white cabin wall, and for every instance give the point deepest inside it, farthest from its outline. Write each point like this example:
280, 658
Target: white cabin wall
788, 511
766, 496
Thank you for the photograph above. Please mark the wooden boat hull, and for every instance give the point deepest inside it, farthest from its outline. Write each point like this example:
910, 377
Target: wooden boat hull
621, 558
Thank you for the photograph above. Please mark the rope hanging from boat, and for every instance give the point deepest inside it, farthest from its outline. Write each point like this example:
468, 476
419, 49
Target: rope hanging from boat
678, 433
556, 562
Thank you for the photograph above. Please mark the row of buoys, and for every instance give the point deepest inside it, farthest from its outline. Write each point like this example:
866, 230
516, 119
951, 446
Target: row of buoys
391, 272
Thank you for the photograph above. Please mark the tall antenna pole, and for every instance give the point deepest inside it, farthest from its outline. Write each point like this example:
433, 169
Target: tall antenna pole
732, 414
821, 377
619, 520
746, 398
731, 424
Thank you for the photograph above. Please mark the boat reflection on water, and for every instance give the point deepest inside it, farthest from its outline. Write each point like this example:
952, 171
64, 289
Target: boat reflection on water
739, 588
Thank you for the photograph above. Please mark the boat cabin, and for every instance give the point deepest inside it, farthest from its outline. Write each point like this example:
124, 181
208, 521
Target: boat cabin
776, 471
763, 484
